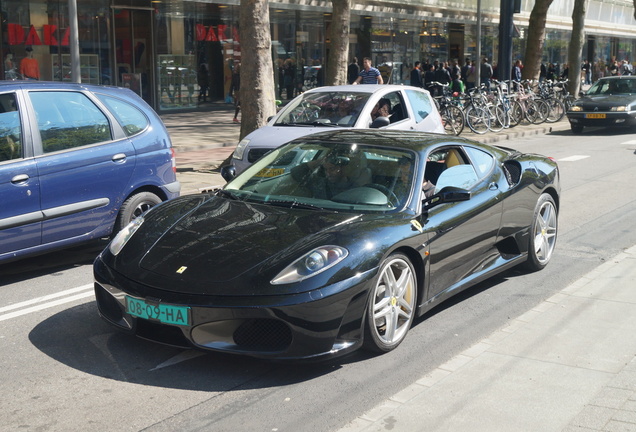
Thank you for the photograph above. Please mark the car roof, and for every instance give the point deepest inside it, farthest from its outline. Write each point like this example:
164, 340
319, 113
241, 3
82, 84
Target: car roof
363, 88
618, 77
417, 141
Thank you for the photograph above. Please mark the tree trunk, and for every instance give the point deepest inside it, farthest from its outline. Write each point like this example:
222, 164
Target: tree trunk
535, 40
337, 59
257, 96
576, 46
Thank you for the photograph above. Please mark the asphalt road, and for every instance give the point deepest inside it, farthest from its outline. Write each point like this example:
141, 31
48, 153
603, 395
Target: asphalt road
63, 369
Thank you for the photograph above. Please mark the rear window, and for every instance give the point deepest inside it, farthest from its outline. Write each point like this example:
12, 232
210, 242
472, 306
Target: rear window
131, 119
420, 103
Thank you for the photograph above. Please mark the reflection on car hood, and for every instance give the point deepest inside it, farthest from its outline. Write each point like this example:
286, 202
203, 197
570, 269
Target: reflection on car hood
605, 101
223, 239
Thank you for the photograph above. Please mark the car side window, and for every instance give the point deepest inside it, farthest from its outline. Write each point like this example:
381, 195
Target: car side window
10, 128
420, 103
68, 120
455, 169
131, 119
482, 161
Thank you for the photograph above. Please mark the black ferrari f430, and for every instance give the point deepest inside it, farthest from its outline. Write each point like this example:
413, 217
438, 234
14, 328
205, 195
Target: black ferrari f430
329, 243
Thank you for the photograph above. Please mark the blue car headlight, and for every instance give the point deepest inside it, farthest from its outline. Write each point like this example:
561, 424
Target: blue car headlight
122, 237
311, 264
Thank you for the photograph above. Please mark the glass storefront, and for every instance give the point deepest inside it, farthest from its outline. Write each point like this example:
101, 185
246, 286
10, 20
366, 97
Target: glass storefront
180, 54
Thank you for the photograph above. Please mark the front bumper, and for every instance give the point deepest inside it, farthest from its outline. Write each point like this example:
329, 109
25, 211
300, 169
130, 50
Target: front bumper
612, 118
313, 325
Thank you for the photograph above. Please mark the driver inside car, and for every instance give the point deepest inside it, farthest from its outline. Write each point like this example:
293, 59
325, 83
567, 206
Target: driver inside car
340, 170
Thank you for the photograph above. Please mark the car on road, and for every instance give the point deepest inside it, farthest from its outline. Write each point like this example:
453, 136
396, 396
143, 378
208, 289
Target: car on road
342, 251
77, 162
348, 106
611, 101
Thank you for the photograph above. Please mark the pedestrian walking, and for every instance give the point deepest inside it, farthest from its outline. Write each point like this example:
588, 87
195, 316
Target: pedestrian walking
486, 72
416, 75
353, 70
368, 74
235, 88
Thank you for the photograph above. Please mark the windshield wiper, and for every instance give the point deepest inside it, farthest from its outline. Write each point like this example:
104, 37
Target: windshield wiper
293, 204
227, 194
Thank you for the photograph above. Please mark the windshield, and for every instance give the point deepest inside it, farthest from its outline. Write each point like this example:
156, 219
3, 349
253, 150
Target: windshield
613, 87
337, 177
324, 108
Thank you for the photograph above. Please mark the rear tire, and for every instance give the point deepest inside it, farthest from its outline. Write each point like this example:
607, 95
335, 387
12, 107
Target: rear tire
133, 207
543, 233
392, 304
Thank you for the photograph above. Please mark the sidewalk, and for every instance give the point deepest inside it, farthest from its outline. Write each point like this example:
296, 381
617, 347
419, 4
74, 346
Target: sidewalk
566, 365
203, 140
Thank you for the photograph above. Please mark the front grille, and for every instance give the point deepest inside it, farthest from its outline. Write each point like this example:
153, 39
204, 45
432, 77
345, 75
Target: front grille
256, 154
107, 305
263, 335
165, 334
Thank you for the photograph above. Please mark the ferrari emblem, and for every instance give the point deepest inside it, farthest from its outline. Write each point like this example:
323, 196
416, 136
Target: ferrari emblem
182, 269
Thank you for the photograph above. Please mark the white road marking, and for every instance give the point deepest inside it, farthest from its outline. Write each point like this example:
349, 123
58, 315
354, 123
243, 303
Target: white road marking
573, 158
630, 142
23, 309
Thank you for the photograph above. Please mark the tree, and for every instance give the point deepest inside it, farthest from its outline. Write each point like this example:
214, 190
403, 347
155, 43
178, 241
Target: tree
535, 39
257, 94
339, 43
576, 46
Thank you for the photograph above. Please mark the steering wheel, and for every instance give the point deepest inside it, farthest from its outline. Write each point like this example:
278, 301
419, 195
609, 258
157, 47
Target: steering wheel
391, 197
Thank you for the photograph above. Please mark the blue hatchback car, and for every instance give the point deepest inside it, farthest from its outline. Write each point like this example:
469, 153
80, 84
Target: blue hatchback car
77, 162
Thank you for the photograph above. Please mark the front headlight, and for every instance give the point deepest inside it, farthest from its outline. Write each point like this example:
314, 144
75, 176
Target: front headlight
576, 108
122, 237
311, 264
620, 108
240, 149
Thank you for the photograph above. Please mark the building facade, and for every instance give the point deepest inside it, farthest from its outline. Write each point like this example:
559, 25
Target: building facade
166, 50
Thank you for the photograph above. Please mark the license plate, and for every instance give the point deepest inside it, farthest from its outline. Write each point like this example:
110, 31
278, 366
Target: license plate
165, 313
270, 172
595, 116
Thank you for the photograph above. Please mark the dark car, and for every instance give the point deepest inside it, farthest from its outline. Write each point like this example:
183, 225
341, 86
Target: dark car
77, 162
611, 101
341, 250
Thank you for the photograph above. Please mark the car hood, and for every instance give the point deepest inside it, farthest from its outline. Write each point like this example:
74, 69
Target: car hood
274, 136
227, 247
604, 102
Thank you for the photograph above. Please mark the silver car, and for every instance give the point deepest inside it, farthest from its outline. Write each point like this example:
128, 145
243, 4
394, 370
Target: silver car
349, 106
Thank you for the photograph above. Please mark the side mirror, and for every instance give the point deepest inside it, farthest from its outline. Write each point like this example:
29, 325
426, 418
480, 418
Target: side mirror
449, 194
228, 172
380, 122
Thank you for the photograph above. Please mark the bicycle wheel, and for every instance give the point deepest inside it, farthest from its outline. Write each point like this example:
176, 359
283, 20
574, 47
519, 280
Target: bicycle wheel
497, 121
536, 111
453, 118
478, 119
516, 113
556, 110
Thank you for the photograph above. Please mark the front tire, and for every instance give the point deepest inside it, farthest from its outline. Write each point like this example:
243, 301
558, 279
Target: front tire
392, 304
543, 233
134, 206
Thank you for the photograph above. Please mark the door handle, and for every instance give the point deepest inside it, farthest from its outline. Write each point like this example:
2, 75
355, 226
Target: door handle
119, 157
20, 178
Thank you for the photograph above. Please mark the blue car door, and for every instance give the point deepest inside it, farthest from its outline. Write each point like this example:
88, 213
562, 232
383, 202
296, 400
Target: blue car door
85, 165
20, 215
